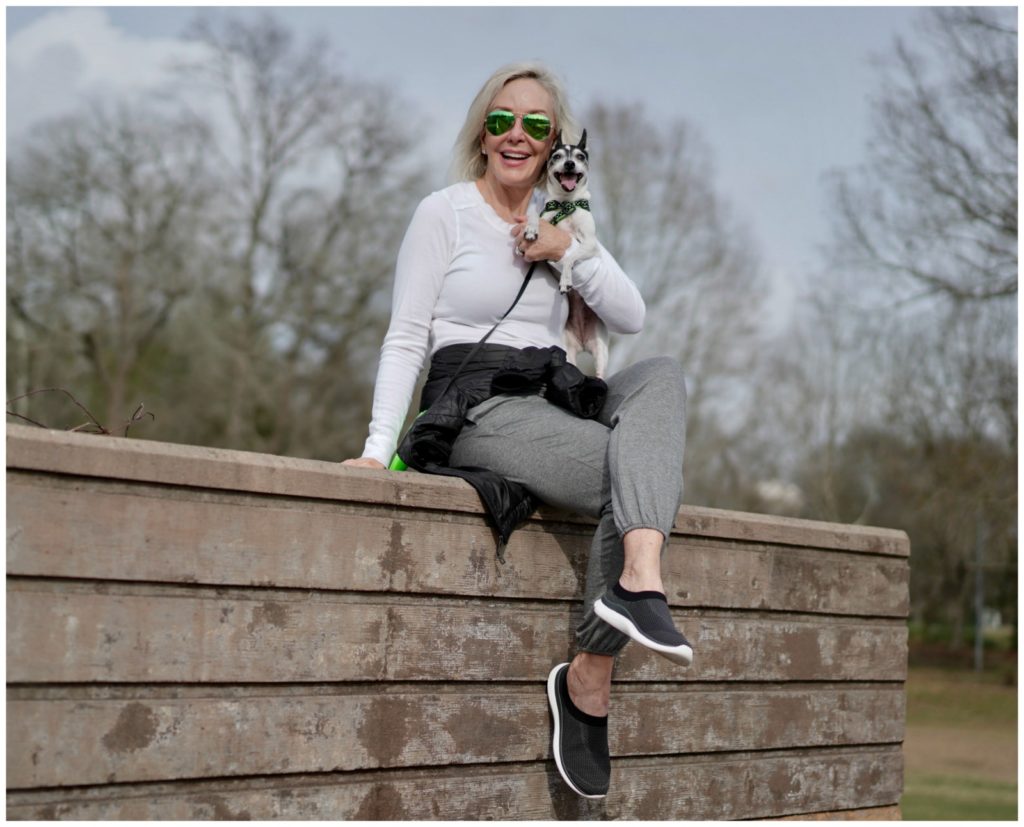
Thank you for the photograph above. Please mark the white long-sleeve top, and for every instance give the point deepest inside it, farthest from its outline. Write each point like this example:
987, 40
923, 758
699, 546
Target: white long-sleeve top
456, 273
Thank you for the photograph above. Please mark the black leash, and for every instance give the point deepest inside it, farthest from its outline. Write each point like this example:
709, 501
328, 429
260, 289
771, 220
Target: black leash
486, 336
476, 348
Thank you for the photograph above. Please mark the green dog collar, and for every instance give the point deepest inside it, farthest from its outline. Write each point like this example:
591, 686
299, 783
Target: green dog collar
565, 208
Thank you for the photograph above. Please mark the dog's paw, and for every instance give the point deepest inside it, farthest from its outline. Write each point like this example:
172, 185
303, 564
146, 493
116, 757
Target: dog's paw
532, 230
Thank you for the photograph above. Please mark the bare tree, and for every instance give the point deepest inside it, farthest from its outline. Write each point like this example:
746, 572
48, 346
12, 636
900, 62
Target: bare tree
934, 209
818, 385
926, 256
952, 395
316, 187
277, 100
234, 264
657, 211
104, 213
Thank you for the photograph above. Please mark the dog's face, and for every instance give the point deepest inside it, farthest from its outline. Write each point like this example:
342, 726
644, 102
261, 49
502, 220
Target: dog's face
568, 166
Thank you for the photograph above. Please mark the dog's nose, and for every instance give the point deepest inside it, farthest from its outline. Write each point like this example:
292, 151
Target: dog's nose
570, 165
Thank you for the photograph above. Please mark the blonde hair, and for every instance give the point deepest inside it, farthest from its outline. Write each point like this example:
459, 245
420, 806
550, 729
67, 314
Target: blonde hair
467, 162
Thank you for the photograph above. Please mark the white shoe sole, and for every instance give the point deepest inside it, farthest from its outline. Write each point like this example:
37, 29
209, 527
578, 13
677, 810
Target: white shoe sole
553, 701
682, 654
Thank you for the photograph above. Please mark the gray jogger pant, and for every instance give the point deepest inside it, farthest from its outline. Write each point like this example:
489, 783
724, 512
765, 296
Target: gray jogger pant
624, 468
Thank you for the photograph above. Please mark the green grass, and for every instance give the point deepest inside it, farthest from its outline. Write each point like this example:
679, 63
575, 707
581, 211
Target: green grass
957, 798
967, 724
962, 698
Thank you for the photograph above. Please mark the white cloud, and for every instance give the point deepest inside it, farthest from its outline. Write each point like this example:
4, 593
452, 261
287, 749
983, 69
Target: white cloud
60, 61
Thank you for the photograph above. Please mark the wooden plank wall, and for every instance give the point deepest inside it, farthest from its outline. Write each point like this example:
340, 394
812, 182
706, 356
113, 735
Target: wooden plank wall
197, 633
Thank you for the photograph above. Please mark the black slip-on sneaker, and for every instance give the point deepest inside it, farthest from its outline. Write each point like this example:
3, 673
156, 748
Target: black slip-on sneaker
580, 741
644, 616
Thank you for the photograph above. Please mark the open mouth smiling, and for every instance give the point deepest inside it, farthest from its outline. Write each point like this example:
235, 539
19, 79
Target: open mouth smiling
568, 180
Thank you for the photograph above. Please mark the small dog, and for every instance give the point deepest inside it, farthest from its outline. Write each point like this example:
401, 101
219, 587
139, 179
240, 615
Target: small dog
568, 171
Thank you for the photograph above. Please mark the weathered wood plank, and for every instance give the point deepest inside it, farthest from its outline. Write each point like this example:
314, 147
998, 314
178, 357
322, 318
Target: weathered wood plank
258, 733
35, 449
890, 813
99, 530
68, 632
737, 786
187, 612
159, 533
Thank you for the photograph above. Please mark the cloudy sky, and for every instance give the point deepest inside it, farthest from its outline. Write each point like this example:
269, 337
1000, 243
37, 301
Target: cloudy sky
779, 94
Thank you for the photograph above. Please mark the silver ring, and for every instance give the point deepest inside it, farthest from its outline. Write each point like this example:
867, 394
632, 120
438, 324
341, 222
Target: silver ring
519, 251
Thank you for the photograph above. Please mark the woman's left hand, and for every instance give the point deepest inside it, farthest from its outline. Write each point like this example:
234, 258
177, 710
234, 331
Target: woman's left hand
550, 244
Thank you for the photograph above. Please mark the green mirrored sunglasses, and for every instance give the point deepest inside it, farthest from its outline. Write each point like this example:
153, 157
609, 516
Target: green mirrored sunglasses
501, 121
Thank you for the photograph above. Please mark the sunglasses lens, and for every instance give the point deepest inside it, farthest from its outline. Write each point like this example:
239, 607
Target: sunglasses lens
537, 127
499, 122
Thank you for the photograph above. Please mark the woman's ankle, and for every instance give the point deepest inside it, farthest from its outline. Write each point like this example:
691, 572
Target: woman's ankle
641, 570
642, 582
589, 682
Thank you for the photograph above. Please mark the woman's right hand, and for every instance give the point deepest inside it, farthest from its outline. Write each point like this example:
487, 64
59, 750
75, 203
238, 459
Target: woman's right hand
365, 462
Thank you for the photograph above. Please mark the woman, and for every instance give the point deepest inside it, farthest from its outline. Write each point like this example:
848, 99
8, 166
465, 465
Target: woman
460, 265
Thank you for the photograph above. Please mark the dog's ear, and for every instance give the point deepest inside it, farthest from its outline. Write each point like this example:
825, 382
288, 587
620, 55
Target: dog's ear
558, 138
583, 141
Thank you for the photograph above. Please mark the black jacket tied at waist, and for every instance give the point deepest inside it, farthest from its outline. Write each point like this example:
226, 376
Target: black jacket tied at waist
493, 370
